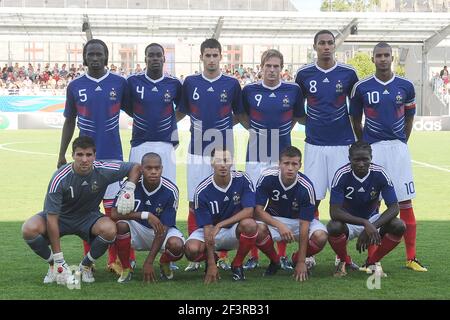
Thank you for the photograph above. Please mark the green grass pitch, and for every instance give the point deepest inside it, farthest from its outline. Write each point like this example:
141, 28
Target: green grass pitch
28, 158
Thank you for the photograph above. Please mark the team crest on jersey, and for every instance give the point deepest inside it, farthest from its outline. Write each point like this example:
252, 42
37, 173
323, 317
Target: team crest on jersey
236, 198
94, 187
399, 98
223, 96
113, 95
167, 97
159, 209
295, 205
339, 87
373, 194
286, 102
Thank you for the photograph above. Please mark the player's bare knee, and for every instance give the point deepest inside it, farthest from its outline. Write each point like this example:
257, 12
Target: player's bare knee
174, 245
263, 232
107, 229
335, 228
32, 228
191, 250
248, 226
397, 227
122, 227
320, 238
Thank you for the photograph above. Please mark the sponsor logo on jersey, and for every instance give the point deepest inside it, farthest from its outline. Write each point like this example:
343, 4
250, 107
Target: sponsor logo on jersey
272, 95
385, 91
361, 190
210, 89
148, 203
98, 88
159, 209
226, 199
155, 89
84, 183
326, 80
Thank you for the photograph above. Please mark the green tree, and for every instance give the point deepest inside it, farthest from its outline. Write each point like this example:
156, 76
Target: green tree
363, 64
349, 5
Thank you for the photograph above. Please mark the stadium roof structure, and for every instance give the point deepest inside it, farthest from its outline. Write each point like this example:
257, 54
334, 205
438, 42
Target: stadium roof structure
252, 26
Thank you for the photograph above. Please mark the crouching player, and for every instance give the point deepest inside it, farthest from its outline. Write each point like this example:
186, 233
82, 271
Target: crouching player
289, 214
72, 208
151, 226
224, 204
355, 193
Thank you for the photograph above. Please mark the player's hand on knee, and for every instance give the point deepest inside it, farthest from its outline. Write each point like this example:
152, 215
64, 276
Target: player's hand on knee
286, 234
60, 268
125, 199
363, 242
156, 225
372, 233
149, 273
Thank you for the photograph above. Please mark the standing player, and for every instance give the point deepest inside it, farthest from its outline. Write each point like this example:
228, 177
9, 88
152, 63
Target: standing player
273, 107
224, 204
153, 99
326, 85
151, 226
210, 99
71, 207
96, 99
285, 203
354, 213
388, 103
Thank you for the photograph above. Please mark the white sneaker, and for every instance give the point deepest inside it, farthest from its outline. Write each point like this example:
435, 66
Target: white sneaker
50, 277
310, 262
193, 266
86, 274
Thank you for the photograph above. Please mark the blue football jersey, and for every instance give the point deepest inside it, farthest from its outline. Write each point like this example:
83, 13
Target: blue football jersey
161, 202
214, 204
296, 201
271, 111
153, 103
385, 105
97, 104
360, 196
326, 93
210, 105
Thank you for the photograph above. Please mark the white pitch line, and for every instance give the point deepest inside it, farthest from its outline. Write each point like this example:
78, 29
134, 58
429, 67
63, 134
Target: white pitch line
2, 147
430, 166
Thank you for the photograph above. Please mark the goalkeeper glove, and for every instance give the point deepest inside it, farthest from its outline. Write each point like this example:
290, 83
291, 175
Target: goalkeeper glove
61, 268
125, 199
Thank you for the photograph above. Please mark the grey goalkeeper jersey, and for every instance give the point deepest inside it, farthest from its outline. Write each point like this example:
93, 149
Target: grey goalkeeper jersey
72, 195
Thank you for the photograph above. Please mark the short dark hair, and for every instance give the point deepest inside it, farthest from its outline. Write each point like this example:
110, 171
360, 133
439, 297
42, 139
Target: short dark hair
291, 152
381, 44
83, 142
359, 145
210, 43
92, 41
150, 155
221, 148
323, 32
154, 44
